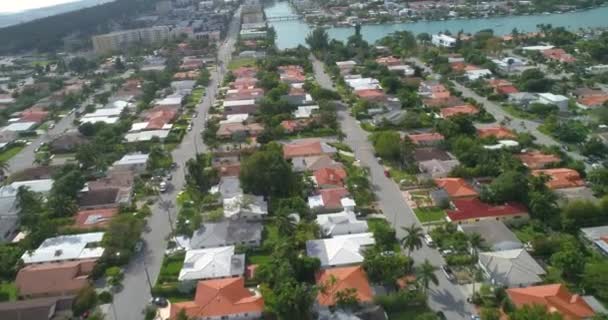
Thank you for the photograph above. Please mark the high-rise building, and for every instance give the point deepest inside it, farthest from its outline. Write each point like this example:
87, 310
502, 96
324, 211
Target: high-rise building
106, 43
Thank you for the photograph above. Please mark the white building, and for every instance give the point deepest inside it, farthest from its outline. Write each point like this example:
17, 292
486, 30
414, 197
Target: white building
41, 186
146, 135
363, 83
19, 126
473, 75
404, 69
508, 64
597, 69
345, 222
245, 206
442, 40
70, 247
304, 112
132, 162
555, 99
341, 250
212, 263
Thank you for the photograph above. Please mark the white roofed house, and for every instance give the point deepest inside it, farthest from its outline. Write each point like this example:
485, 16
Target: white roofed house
343, 250
346, 67
133, 162
211, 263
345, 222
70, 247
554, 99
170, 101
238, 205
511, 268
305, 112
363, 83
443, 40
477, 74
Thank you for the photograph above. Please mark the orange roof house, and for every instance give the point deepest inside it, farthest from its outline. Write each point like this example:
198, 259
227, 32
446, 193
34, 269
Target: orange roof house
372, 95
456, 187
302, 149
499, 132
245, 72
388, 61
469, 210
330, 177
54, 278
537, 159
220, 298
33, 114
502, 86
592, 101
458, 110
345, 278
554, 297
558, 54
426, 138
96, 218
561, 178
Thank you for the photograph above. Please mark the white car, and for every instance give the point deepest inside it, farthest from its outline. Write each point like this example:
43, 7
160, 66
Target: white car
428, 240
162, 187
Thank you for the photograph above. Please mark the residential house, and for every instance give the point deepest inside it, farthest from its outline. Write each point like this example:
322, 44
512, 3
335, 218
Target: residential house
37, 309
555, 297
249, 106
306, 148
522, 99
456, 188
238, 205
227, 233
495, 234
291, 74
305, 112
346, 67
68, 142
554, 99
20, 127
231, 130
136, 163
314, 163
508, 64
498, 132
403, 69
559, 55
597, 237
344, 222
511, 268
443, 40
297, 96
212, 263
431, 153
172, 101
371, 95
326, 178
99, 198
426, 139
84, 246
331, 200
343, 250
123, 180
340, 279
433, 89
466, 109
592, 101
33, 114
438, 168
561, 178
473, 210
147, 135
501, 86
388, 61
537, 160
94, 219
221, 299
244, 94
363, 83
54, 278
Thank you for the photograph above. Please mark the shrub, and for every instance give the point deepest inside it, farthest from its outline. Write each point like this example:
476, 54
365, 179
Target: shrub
105, 297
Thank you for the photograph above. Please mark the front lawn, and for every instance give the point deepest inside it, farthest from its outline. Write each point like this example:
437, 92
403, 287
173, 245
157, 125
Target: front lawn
244, 62
10, 152
429, 214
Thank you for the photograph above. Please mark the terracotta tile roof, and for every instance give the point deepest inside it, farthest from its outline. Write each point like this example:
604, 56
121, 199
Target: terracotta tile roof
453, 111
187, 75
302, 149
388, 61
561, 178
245, 72
159, 116
332, 198
228, 129
475, 209
330, 176
96, 218
33, 115
220, 297
507, 90
245, 94
555, 297
593, 101
54, 278
498, 132
371, 94
559, 55
537, 159
346, 278
449, 101
420, 138
456, 187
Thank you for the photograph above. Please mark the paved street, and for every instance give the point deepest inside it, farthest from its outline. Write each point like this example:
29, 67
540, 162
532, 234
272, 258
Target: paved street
519, 125
447, 296
130, 302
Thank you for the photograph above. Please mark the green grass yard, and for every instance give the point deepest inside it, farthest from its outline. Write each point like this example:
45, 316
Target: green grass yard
237, 63
429, 214
10, 289
10, 152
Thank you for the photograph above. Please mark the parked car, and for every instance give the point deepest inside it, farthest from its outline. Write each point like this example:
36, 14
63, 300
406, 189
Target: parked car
159, 301
428, 240
446, 252
162, 187
448, 272
139, 245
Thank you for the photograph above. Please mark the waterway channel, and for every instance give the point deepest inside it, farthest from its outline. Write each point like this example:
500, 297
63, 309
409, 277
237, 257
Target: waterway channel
292, 33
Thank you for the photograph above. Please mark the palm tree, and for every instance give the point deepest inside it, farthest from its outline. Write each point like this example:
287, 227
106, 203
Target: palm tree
413, 239
286, 224
3, 167
476, 242
426, 274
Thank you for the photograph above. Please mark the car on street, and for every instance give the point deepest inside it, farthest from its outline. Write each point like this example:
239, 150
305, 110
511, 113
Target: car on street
190, 127
139, 245
159, 302
428, 240
163, 186
447, 271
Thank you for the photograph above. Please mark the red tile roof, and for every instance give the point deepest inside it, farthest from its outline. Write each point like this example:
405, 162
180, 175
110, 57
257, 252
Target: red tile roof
467, 209
345, 278
499, 132
555, 297
330, 176
33, 115
454, 111
507, 90
54, 278
332, 198
456, 187
371, 94
218, 298
561, 178
558, 54
593, 101
245, 72
245, 94
302, 149
159, 116
96, 218
420, 138
537, 159
388, 61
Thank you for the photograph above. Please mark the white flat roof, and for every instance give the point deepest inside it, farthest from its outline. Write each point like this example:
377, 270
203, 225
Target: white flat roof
146, 135
170, 101
108, 120
340, 250
19, 126
138, 126
132, 159
42, 185
69, 247
211, 263
234, 103
235, 118
104, 112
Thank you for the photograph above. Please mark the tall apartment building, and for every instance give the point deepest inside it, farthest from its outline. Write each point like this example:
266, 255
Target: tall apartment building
109, 42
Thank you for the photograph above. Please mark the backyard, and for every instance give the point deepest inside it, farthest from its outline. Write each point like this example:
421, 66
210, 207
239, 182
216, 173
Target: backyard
427, 215
243, 62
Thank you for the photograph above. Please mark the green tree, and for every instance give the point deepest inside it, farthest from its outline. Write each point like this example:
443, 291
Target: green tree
581, 213
318, 39
347, 298
181, 315
387, 144
10, 261
412, 239
508, 186
84, 300
534, 312
570, 260
594, 147
385, 237
595, 278
29, 207
426, 274
200, 173
490, 314
385, 267
291, 300
267, 173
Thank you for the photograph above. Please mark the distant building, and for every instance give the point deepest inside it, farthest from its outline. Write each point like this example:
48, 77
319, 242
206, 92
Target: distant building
106, 43
442, 40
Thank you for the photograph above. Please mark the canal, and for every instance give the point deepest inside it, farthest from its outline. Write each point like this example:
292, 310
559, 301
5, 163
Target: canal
292, 33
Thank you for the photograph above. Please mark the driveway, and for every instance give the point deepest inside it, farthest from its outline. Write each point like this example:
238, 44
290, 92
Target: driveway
131, 301
447, 296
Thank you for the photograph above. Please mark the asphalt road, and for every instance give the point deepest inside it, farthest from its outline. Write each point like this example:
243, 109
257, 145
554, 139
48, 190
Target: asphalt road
519, 125
447, 296
135, 295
